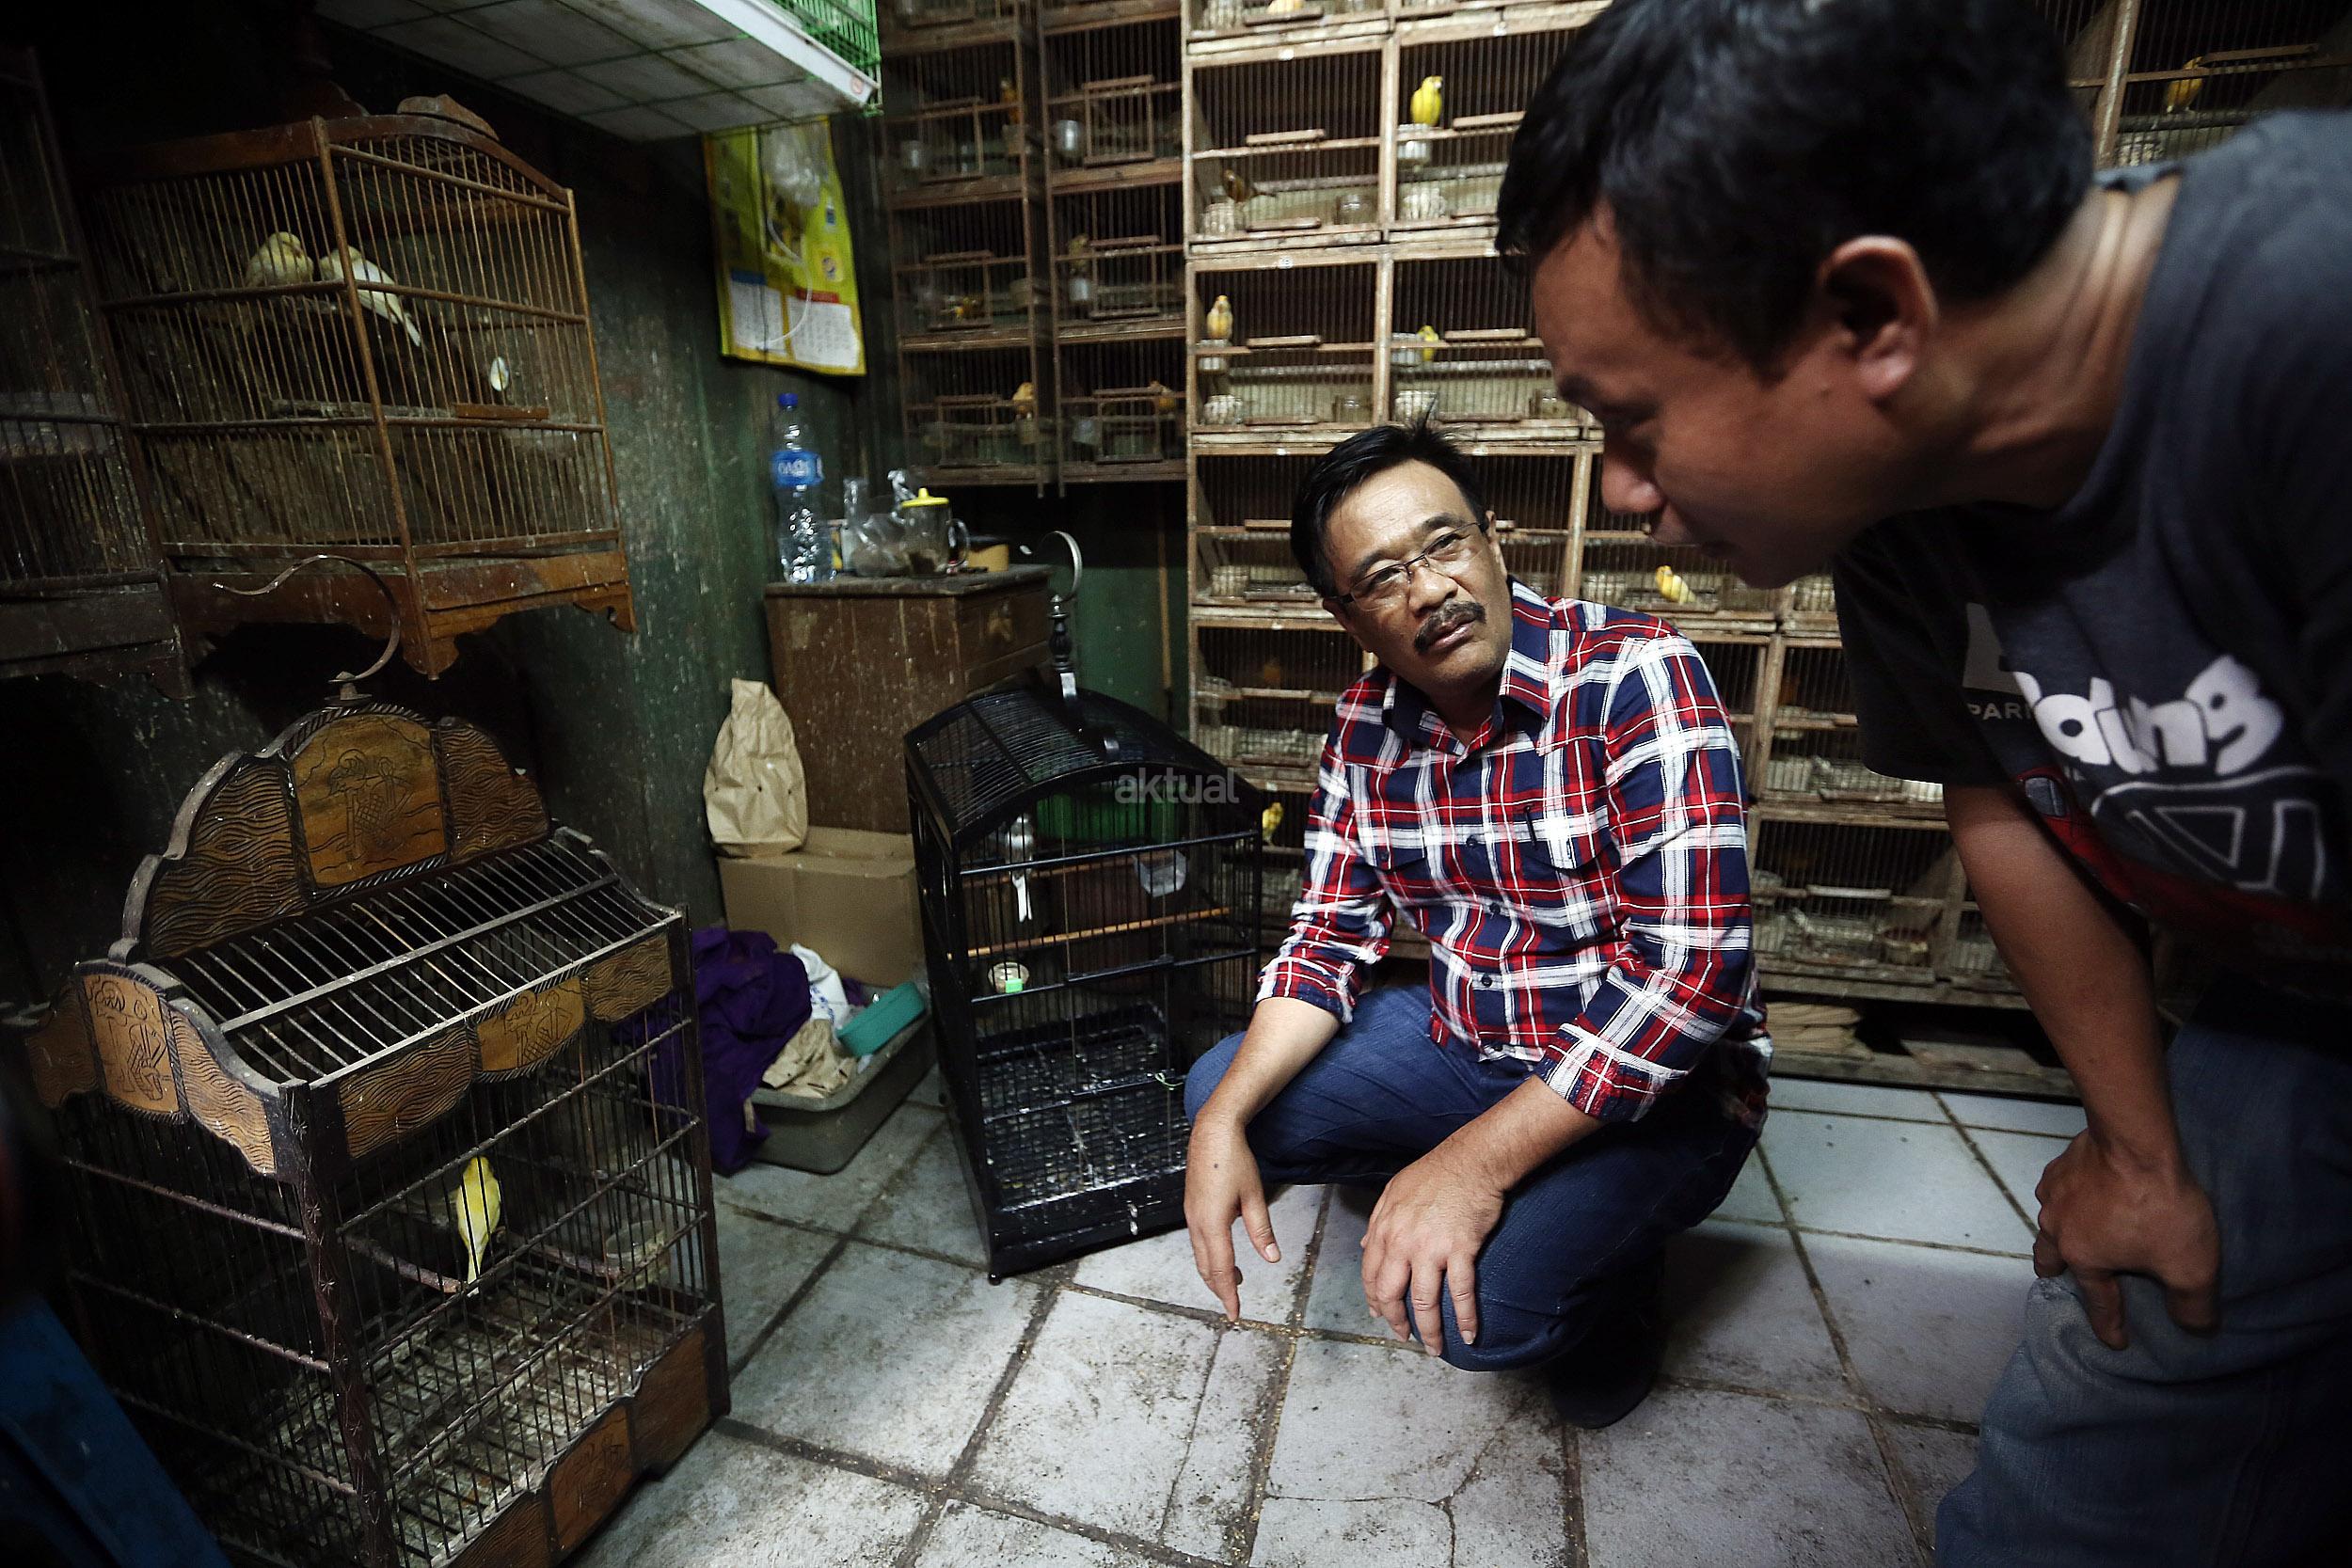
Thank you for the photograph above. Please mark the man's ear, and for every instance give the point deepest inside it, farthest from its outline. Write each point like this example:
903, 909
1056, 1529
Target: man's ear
1875, 299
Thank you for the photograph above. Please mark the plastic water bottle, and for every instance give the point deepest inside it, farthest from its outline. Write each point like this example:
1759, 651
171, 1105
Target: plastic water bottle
803, 549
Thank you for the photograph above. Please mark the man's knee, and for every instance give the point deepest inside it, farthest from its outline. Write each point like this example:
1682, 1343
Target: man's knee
1206, 1073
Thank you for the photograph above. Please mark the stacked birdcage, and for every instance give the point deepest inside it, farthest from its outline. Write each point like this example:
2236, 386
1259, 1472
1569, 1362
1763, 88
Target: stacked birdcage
1318, 311
2174, 77
1114, 131
80, 588
370, 337
964, 188
1284, 147
1090, 922
390, 1199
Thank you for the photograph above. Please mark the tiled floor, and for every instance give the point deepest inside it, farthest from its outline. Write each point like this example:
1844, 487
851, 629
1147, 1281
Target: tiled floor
1838, 1326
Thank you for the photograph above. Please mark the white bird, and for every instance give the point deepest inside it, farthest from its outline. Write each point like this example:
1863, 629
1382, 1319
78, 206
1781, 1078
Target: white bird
364, 271
283, 259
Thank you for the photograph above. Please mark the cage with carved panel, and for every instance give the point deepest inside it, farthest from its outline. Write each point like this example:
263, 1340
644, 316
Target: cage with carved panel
389, 1188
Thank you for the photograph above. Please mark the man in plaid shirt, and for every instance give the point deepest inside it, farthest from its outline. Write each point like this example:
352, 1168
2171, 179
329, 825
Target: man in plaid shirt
1548, 791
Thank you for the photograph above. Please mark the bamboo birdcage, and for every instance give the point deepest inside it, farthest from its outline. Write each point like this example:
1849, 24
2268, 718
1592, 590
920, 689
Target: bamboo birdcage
1300, 355
1285, 149
1460, 351
1488, 65
1120, 417
80, 588
432, 409
1113, 93
2173, 78
389, 1196
963, 279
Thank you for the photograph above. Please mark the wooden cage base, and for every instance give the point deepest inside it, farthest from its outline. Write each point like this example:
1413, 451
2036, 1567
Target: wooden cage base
641, 1432
444, 599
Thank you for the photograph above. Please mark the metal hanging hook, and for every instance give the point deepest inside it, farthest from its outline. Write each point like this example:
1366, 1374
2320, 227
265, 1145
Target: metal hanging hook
347, 682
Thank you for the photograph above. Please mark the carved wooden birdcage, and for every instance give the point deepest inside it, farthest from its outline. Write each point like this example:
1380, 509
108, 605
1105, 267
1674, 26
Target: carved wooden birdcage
368, 336
390, 1206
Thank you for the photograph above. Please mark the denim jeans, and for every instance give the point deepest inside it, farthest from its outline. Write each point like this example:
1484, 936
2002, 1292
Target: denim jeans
1380, 1096
2187, 1450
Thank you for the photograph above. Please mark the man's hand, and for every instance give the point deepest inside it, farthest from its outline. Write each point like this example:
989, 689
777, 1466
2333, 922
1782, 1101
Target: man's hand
1221, 1184
2106, 1213
1428, 1226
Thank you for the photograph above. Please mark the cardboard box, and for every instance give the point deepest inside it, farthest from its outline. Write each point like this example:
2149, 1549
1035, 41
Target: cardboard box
847, 893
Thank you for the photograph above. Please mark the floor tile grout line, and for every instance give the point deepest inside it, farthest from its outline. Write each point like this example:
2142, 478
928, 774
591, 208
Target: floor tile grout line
1967, 1137
941, 1493
1279, 1393
784, 1309
1897, 1482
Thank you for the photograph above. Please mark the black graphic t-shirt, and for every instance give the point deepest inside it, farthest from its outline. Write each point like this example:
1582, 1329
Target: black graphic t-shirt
2165, 662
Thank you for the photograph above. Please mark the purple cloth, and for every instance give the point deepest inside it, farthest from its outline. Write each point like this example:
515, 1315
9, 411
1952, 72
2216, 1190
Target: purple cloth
751, 1000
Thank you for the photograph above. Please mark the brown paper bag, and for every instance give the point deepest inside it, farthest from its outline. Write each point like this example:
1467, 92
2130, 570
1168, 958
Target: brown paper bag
754, 793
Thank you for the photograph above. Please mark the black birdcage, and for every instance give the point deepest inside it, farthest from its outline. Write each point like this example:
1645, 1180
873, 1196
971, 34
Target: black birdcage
1090, 895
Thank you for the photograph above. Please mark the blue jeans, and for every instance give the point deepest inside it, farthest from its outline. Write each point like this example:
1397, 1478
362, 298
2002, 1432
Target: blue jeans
1380, 1096
2189, 1452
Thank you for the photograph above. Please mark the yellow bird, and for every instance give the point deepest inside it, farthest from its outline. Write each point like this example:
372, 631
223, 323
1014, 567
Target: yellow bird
1025, 397
1008, 93
283, 259
2181, 92
1162, 400
1220, 319
1429, 101
1270, 819
1672, 587
475, 1207
1428, 335
378, 302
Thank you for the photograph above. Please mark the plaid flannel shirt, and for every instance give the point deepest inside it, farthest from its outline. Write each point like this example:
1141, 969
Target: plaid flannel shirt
1579, 868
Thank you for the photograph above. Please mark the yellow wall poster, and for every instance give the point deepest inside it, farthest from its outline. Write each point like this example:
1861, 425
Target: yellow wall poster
787, 289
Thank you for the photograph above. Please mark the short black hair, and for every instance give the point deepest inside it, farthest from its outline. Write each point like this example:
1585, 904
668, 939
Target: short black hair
1337, 473
1736, 143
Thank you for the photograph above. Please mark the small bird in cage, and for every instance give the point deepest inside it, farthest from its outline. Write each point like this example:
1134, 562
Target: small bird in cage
1428, 103
1164, 400
1237, 185
1431, 342
474, 1206
283, 259
1270, 819
1671, 587
1009, 92
1023, 401
376, 301
1220, 320
2182, 94
1285, 8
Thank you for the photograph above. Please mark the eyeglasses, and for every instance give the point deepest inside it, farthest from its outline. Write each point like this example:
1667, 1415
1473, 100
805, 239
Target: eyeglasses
1383, 587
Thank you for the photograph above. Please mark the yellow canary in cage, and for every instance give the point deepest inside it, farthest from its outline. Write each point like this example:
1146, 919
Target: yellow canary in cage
1007, 92
1428, 335
283, 259
1671, 587
375, 301
1270, 819
1219, 321
474, 1207
1428, 103
2181, 93
1164, 399
1025, 397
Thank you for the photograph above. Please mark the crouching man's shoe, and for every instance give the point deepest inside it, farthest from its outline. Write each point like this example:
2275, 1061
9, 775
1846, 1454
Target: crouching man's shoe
1612, 1369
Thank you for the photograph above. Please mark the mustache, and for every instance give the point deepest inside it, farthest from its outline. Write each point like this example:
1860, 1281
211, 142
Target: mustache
1444, 618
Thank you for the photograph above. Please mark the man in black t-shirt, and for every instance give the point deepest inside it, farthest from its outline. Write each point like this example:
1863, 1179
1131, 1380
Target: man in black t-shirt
1835, 277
